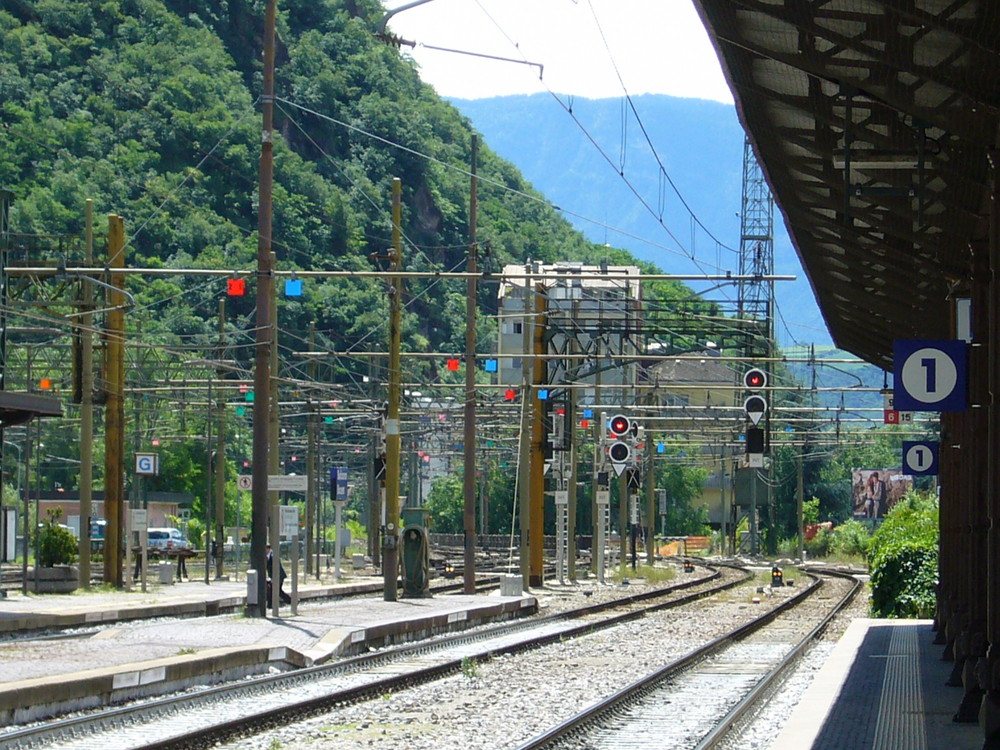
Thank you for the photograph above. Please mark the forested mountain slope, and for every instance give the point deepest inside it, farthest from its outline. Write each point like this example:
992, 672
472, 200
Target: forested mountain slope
149, 107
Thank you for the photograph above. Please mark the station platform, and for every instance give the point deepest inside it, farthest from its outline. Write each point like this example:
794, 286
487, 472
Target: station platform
136, 653
881, 688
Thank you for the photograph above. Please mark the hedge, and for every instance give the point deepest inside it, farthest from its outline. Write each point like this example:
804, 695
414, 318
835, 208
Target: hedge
903, 560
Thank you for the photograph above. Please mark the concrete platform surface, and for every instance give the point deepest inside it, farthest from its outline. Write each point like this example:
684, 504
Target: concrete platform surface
142, 654
881, 688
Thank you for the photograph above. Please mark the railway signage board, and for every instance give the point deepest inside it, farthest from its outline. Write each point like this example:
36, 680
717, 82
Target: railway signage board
929, 375
920, 457
890, 415
289, 520
287, 482
244, 482
338, 484
147, 464
139, 519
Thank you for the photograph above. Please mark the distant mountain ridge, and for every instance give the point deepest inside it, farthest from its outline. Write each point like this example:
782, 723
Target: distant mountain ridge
700, 144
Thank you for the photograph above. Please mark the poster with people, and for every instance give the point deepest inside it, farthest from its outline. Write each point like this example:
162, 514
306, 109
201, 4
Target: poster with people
876, 491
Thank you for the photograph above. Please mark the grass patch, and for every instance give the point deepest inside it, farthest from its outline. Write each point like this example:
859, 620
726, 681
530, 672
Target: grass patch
469, 668
650, 573
101, 588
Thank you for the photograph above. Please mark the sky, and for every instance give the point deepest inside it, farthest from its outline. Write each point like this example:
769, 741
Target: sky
587, 48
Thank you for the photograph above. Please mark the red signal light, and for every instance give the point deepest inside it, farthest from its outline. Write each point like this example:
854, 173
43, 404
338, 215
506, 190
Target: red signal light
754, 379
619, 425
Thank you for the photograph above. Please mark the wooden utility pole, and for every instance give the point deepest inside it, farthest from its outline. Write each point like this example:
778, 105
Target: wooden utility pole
376, 479
220, 460
469, 447
114, 449
87, 402
274, 454
313, 485
390, 541
262, 353
209, 481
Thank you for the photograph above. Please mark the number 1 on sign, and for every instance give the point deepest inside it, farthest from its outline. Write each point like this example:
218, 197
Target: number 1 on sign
930, 368
929, 375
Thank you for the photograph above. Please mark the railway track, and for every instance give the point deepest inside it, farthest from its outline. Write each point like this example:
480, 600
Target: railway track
696, 700
219, 714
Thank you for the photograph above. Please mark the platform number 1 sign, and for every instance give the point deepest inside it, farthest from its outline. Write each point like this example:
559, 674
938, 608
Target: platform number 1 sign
929, 375
920, 457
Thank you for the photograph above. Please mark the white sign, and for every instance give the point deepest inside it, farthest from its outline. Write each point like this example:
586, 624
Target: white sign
289, 520
147, 464
963, 319
140, 520
244, 482
287, 482
562, 497
603, 497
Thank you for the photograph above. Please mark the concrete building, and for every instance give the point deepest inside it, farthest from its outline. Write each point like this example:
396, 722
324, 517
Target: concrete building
587, 317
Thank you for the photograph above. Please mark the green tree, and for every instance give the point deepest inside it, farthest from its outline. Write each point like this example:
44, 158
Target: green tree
445, 504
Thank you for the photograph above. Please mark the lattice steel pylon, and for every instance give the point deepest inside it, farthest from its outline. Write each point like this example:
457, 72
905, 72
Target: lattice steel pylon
755, 301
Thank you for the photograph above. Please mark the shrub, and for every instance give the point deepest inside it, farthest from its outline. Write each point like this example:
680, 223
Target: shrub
56, 545
902, 557
819, 545
850, 539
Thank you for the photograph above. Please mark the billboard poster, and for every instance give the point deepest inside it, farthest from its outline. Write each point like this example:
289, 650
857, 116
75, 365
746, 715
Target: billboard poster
876, 491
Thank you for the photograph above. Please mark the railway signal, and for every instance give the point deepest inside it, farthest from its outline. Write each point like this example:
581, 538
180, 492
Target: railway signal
620, 452
755, 408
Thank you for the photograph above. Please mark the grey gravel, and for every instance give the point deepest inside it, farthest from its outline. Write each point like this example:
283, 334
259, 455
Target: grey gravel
506, 702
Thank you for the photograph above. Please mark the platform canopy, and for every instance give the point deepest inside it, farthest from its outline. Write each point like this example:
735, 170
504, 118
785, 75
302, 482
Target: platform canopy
872, 121
18, 408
